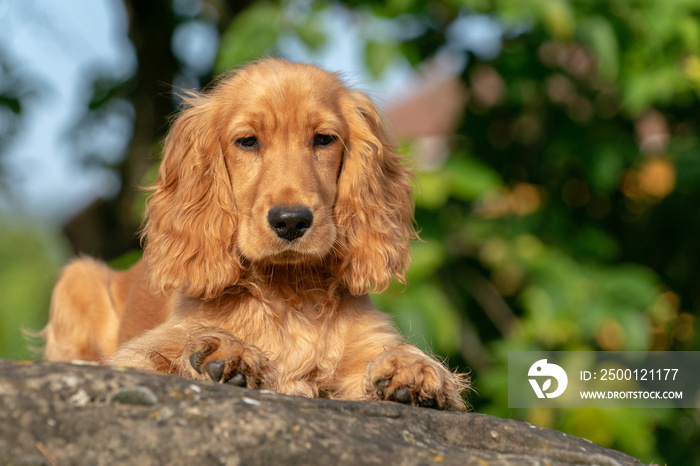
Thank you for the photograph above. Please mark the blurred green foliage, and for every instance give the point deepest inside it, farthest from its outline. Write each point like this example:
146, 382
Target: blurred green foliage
565, 216
30, 258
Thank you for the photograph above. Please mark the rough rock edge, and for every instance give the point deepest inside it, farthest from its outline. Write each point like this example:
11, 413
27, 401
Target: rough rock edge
62, 413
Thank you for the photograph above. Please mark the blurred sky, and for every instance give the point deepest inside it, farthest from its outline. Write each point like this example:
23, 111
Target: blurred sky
56, 44
62, 44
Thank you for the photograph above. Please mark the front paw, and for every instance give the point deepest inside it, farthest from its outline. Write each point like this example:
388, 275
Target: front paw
224, 358
405, 375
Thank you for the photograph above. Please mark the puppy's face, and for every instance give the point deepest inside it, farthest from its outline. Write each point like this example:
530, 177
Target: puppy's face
283, 144
278, 164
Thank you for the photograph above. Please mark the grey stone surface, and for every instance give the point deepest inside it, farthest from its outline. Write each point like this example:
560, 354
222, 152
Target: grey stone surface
61, 413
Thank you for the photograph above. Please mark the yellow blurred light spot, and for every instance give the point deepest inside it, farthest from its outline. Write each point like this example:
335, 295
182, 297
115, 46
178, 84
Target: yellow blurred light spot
691, 68
522, 199
654, 180
525, 198
684, 330
493, 205
494, 251
508, 279
658, 178
559, 19
666, 307
529, 246
611, 336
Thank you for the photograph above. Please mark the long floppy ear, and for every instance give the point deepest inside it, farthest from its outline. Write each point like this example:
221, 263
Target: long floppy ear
374, 208
190, 219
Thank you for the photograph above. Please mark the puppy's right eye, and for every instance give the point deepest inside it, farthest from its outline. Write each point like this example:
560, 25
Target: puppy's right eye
323, 140
248, 142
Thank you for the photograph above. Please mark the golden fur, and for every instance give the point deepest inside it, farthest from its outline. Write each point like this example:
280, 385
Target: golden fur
227, 292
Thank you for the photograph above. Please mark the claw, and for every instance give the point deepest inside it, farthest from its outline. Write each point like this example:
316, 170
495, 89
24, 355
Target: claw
239, 380
381, 386
194, 361
428, 403
215, 369
402, 395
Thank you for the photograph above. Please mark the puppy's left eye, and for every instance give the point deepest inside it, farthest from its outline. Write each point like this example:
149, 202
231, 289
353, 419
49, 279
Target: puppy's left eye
323, 140
247, 143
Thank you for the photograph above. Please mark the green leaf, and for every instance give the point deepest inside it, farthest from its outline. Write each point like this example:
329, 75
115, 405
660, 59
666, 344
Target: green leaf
470, 179
600, 36
252, 34
379, 55
312, 35
433, 190
689, 31
595, 243
13, 103
558, 18
426, 258
606, 168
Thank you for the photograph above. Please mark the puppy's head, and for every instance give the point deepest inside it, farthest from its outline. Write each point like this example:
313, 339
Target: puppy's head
279, 164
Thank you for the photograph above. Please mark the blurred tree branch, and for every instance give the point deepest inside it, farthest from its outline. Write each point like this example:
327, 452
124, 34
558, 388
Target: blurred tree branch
108, 228
15, 90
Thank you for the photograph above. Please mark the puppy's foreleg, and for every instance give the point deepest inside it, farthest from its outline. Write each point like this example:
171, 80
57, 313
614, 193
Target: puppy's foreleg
196, 351
377, 365
405, 374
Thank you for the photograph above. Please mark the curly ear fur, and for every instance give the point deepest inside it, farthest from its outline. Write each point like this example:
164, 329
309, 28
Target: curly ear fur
191, 223
374, 208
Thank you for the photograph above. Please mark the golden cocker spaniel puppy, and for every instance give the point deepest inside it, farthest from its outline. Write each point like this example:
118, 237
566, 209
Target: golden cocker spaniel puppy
279, 205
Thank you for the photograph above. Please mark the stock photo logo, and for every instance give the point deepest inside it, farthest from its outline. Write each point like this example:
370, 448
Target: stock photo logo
545, 372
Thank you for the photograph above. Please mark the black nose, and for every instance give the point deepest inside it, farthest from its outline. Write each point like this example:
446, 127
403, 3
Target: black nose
290, 223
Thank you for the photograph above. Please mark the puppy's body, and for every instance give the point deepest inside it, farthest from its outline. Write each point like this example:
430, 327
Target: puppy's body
279, 205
